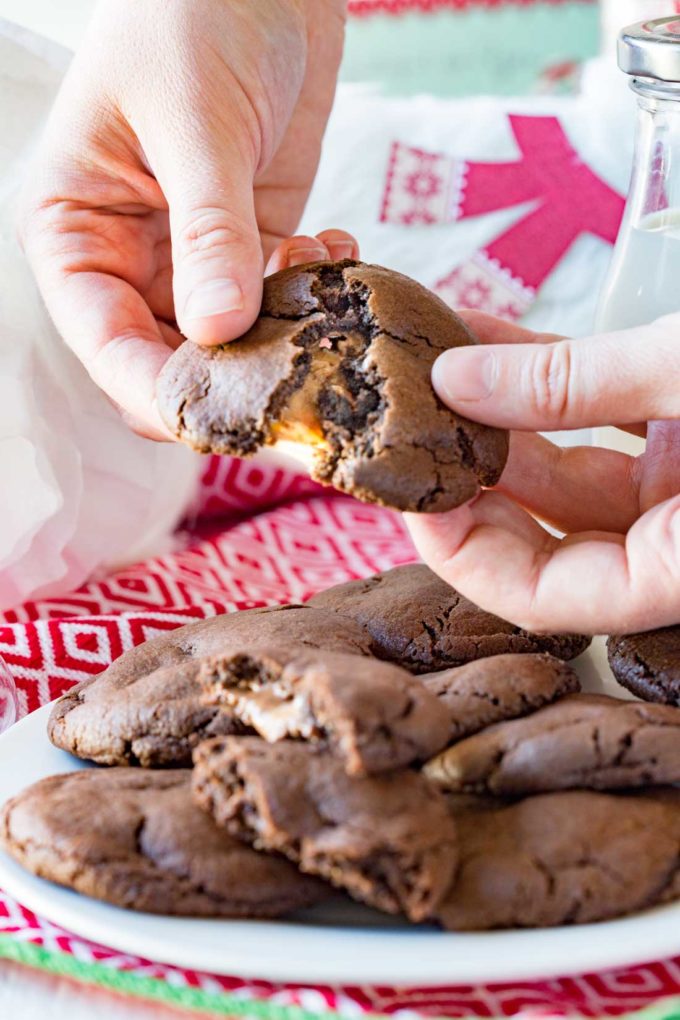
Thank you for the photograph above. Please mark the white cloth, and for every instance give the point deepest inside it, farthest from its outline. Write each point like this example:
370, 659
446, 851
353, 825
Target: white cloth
349, 187
81, 493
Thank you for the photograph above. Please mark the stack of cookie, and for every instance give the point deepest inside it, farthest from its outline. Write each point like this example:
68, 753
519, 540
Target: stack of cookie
388, 740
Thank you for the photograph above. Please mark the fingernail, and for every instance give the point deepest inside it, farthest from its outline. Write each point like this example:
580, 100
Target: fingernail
216, 297
299, 256
464, 373
341, 250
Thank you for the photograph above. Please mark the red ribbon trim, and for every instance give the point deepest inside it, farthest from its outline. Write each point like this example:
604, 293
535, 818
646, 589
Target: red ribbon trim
361, 8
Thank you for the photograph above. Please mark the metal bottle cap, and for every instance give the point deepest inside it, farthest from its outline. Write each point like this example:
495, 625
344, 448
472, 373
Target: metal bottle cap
651, 49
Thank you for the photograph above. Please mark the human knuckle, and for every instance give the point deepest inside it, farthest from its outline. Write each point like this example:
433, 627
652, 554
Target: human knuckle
208, 229
549, 381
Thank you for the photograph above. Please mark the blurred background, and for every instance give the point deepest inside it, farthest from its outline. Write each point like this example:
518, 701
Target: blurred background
443, 47
463, 47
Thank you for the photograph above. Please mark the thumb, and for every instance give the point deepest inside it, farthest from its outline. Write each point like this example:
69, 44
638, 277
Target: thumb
612, 379
216, 252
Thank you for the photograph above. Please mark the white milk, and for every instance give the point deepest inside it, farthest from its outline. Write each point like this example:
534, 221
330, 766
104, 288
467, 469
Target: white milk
644, 279
643, 284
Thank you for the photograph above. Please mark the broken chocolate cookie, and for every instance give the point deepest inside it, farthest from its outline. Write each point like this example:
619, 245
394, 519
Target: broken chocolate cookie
339, 360
373, 715
146, 709
388, 840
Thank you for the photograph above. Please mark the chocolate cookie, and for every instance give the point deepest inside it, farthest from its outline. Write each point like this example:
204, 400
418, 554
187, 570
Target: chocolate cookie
648, 664
136, 839
146, 708
372, 715
389, 840
486, 691
563, 858
422, 623
340, 361
585, 740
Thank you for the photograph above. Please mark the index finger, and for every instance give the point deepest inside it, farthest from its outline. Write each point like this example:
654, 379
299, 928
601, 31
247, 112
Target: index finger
611, 379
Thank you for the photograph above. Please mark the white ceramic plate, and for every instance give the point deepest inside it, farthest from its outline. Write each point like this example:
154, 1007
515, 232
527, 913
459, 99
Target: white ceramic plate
341, 943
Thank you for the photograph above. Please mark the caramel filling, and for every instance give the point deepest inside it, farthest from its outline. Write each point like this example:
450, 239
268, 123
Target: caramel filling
299, 421
276, 714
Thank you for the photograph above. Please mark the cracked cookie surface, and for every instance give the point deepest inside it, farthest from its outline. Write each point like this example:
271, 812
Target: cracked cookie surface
563, 858
418, 621
648, 664
388, 840
487, 691
340, 361
146, 709
372, 715
136, 839
584, 741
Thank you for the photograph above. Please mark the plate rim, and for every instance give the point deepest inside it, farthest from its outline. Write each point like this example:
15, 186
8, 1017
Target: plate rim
299, 952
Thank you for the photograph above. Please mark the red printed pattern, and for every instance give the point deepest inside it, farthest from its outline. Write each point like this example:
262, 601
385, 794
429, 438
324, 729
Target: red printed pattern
591, 995
280, 539
363, 7
563, 197
259, 535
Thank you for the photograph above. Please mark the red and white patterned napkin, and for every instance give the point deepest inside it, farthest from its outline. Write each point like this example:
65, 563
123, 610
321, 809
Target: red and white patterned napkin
259, 536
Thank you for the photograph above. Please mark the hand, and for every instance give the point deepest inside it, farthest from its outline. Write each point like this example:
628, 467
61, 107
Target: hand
618, 568
179, 153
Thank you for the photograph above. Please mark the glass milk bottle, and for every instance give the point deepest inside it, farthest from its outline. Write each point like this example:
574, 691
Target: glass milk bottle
614, 14
642, 282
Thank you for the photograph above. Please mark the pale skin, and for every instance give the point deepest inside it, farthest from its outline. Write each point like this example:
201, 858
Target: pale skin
176, 163
618, 567
174, 170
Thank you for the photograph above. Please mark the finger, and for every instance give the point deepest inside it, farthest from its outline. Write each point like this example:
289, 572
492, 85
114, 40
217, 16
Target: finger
170, 334
616, 378
111, 329
574, 489
340, 244
593, 582
494, 509
158, 292
491, 330
660, 478
296, 251
216, 252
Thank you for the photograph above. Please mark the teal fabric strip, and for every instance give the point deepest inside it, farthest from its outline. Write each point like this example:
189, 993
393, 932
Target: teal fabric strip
455, 53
